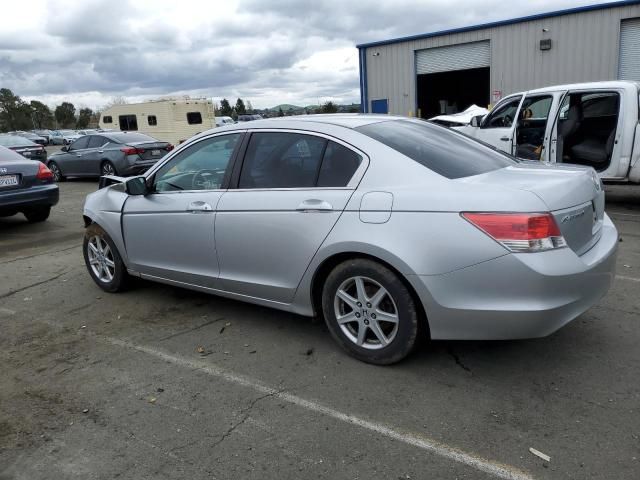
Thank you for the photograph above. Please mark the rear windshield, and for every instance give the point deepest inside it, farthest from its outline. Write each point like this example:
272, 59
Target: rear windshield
14, 141
444, 151
131, 137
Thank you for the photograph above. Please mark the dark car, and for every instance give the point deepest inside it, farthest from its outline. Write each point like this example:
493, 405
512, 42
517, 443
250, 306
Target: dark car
26, 186
24, 147
112, 153
248, 118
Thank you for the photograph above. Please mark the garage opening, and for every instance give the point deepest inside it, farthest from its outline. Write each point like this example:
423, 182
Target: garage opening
452, 78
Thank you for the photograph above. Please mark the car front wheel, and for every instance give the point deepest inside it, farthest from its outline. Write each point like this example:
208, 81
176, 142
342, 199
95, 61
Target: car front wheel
103, 260
370, 312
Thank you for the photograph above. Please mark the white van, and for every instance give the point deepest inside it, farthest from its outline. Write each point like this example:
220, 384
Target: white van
169, 120
594, 124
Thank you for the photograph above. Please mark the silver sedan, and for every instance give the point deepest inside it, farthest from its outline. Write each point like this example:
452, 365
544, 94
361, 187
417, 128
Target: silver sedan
388, 227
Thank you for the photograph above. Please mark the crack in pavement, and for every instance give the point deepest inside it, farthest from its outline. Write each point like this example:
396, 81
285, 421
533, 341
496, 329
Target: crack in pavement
22, 289
198, 327
458, 361
38, 255
245, 412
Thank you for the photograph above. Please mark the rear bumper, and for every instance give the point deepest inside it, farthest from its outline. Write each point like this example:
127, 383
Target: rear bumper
138, 167
38, 196
518, 295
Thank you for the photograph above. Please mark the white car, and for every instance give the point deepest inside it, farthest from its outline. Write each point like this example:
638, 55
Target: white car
460, 119
222, 121
64, 137
593, 124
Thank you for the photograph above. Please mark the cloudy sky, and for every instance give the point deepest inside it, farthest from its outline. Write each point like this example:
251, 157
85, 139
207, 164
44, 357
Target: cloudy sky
266, 51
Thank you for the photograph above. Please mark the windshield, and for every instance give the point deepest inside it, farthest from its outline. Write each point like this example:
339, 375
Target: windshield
444, 151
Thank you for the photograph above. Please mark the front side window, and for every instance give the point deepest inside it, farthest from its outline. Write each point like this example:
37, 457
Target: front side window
152, 120
201, 166
79, 144
194, 118
503, 116
128, 123
282, 160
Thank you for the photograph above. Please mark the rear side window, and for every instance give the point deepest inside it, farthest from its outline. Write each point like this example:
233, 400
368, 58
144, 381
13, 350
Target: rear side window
128, 122
338, 166
194, 118
152, 120
444, 151
96, 141
282, 160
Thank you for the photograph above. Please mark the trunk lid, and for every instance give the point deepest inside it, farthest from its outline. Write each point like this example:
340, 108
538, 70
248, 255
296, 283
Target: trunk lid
152, 150
573, 194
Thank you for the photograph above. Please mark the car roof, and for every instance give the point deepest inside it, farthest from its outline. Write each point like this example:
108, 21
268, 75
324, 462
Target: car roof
617, 84
347, 120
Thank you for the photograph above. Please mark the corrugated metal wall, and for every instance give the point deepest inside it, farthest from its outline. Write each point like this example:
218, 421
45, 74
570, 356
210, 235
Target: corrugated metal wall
585, 48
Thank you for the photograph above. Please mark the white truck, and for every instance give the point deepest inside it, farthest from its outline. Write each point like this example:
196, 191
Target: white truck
169, 120
593, 124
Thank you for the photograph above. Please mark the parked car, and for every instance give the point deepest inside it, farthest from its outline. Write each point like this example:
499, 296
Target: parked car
32, 136
460, 119
89, 131
26, 187
64, 137
119, 153
45, 133
249, 118
593, 124
222, 121
391, 228
24, 147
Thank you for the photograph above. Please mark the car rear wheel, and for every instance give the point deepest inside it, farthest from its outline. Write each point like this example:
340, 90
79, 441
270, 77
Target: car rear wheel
370, 312
37, 214
57, 173
107, 168
103, 260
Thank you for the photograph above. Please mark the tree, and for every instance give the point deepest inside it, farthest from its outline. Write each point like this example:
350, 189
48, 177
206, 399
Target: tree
225, 108
328, 107
41, 115
280, 112
240, 108
117, 100
66, 115
249, 107
84, 117
14, 113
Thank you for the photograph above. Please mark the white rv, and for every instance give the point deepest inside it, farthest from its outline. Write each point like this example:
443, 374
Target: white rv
167, 120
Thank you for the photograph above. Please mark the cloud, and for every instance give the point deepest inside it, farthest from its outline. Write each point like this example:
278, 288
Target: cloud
266, 51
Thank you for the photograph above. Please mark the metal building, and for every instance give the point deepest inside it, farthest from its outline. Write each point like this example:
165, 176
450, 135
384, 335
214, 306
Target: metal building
445, 72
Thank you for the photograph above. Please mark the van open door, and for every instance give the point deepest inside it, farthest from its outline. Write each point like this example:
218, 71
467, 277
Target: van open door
531, 129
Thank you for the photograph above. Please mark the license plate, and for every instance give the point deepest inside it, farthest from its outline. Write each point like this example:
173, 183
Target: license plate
8, 180
155, 152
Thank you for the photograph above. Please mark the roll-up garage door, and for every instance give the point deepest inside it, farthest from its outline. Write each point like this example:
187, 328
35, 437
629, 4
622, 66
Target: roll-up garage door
630, 50
453, 57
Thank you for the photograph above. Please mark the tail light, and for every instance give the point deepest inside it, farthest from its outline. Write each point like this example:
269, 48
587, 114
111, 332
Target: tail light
132, 150
169, 147
520, 232
44, 173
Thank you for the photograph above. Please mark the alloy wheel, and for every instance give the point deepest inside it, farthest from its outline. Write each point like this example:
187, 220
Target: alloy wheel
56, 171
107, 169
366, 313
101, 259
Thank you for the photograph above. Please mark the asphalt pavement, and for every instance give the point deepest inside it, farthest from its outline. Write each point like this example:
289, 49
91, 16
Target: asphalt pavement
160, 382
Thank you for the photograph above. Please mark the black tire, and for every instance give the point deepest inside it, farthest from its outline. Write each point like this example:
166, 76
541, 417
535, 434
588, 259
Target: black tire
37, 214
107, 168
57, 173
399, 300
120, 278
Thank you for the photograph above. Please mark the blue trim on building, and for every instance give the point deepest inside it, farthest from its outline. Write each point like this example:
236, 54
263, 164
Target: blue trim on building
501, 23
364, 93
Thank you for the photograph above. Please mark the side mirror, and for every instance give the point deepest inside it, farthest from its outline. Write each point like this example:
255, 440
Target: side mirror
136, 186
477, 120
64, 149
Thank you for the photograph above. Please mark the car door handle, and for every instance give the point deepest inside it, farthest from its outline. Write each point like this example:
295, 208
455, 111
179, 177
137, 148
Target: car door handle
199, 206
505, 139
314, 205
78, 154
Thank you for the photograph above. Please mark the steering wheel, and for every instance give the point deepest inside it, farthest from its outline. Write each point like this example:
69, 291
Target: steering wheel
508, 121
202, 180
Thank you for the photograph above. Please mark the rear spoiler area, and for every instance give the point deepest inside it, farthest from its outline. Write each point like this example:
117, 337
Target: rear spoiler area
108, 180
